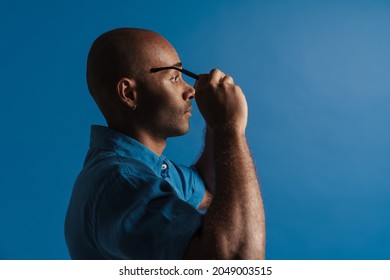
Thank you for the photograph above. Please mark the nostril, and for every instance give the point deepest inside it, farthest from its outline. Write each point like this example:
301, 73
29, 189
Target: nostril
189, 93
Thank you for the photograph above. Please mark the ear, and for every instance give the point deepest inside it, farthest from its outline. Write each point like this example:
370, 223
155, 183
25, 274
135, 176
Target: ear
126, 92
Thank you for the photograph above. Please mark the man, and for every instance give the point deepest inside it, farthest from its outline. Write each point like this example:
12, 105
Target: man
130, 201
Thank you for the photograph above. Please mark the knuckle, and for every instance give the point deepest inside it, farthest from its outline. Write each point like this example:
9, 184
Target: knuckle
216, 71
226, 86
213, 86
237, 88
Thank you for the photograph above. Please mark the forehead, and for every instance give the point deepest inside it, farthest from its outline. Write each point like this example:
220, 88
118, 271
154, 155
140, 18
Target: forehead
159, 53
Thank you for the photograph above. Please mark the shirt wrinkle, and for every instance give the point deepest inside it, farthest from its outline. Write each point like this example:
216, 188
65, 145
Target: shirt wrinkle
124, 145
138, 208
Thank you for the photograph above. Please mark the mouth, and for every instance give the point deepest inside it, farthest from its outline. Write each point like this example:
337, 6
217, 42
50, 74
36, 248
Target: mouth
188, 111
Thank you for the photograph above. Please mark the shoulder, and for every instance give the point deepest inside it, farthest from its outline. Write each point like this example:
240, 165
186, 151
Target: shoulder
110, 168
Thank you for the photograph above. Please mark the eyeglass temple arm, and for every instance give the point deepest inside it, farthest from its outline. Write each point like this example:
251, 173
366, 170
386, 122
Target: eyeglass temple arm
184, 71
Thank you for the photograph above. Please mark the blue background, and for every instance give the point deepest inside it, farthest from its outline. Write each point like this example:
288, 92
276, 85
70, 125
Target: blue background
317, 79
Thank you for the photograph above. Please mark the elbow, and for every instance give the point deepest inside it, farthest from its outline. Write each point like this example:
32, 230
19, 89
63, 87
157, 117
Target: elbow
251, 253
244, 251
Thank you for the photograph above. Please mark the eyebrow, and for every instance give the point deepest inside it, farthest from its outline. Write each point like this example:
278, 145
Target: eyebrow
176, 67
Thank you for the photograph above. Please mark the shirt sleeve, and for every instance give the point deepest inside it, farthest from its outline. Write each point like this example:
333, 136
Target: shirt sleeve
143, 218
192, 184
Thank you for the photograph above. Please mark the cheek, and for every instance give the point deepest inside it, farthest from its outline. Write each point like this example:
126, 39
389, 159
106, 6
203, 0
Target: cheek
160, 95
150, 94
167, 107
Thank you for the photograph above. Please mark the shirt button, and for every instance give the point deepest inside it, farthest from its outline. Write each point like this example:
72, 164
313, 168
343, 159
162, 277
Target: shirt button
164, 166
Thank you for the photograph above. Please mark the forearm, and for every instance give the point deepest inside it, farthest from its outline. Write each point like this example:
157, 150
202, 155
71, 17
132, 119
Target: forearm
237, 213
206, 163
234, 226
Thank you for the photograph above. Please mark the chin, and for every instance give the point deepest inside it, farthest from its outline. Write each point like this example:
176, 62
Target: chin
186, 129
180, 131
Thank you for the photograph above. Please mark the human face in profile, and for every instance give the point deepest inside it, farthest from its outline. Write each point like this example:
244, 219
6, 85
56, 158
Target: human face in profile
165, 98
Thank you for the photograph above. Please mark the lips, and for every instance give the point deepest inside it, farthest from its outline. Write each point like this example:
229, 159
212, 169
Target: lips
188, 110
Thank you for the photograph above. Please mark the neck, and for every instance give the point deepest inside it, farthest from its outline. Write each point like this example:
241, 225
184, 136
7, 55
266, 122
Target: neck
155, 144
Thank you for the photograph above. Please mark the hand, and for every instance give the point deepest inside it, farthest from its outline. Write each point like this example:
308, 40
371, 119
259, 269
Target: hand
221, 102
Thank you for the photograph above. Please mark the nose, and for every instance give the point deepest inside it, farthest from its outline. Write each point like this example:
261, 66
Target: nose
189, 92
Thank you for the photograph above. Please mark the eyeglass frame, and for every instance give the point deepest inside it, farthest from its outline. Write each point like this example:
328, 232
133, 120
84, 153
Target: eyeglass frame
184, 71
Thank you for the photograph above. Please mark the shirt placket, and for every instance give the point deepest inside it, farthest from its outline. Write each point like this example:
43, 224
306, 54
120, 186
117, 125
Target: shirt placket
164, 169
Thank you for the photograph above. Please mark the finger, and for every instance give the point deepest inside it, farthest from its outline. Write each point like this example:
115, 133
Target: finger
227, 79
216, 75
203, 78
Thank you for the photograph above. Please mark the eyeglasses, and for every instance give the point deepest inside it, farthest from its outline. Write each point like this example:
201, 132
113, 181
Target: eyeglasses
184, 71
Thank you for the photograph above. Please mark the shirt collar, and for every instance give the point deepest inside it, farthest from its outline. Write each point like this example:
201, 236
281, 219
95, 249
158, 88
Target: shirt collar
108, 139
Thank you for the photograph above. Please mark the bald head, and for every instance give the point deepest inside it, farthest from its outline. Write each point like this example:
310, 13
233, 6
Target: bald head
120, 53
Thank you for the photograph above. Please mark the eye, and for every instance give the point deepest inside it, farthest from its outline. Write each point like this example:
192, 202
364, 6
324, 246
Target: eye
174, 79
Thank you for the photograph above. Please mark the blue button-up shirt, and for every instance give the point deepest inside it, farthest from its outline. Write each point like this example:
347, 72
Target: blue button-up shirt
129, 203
